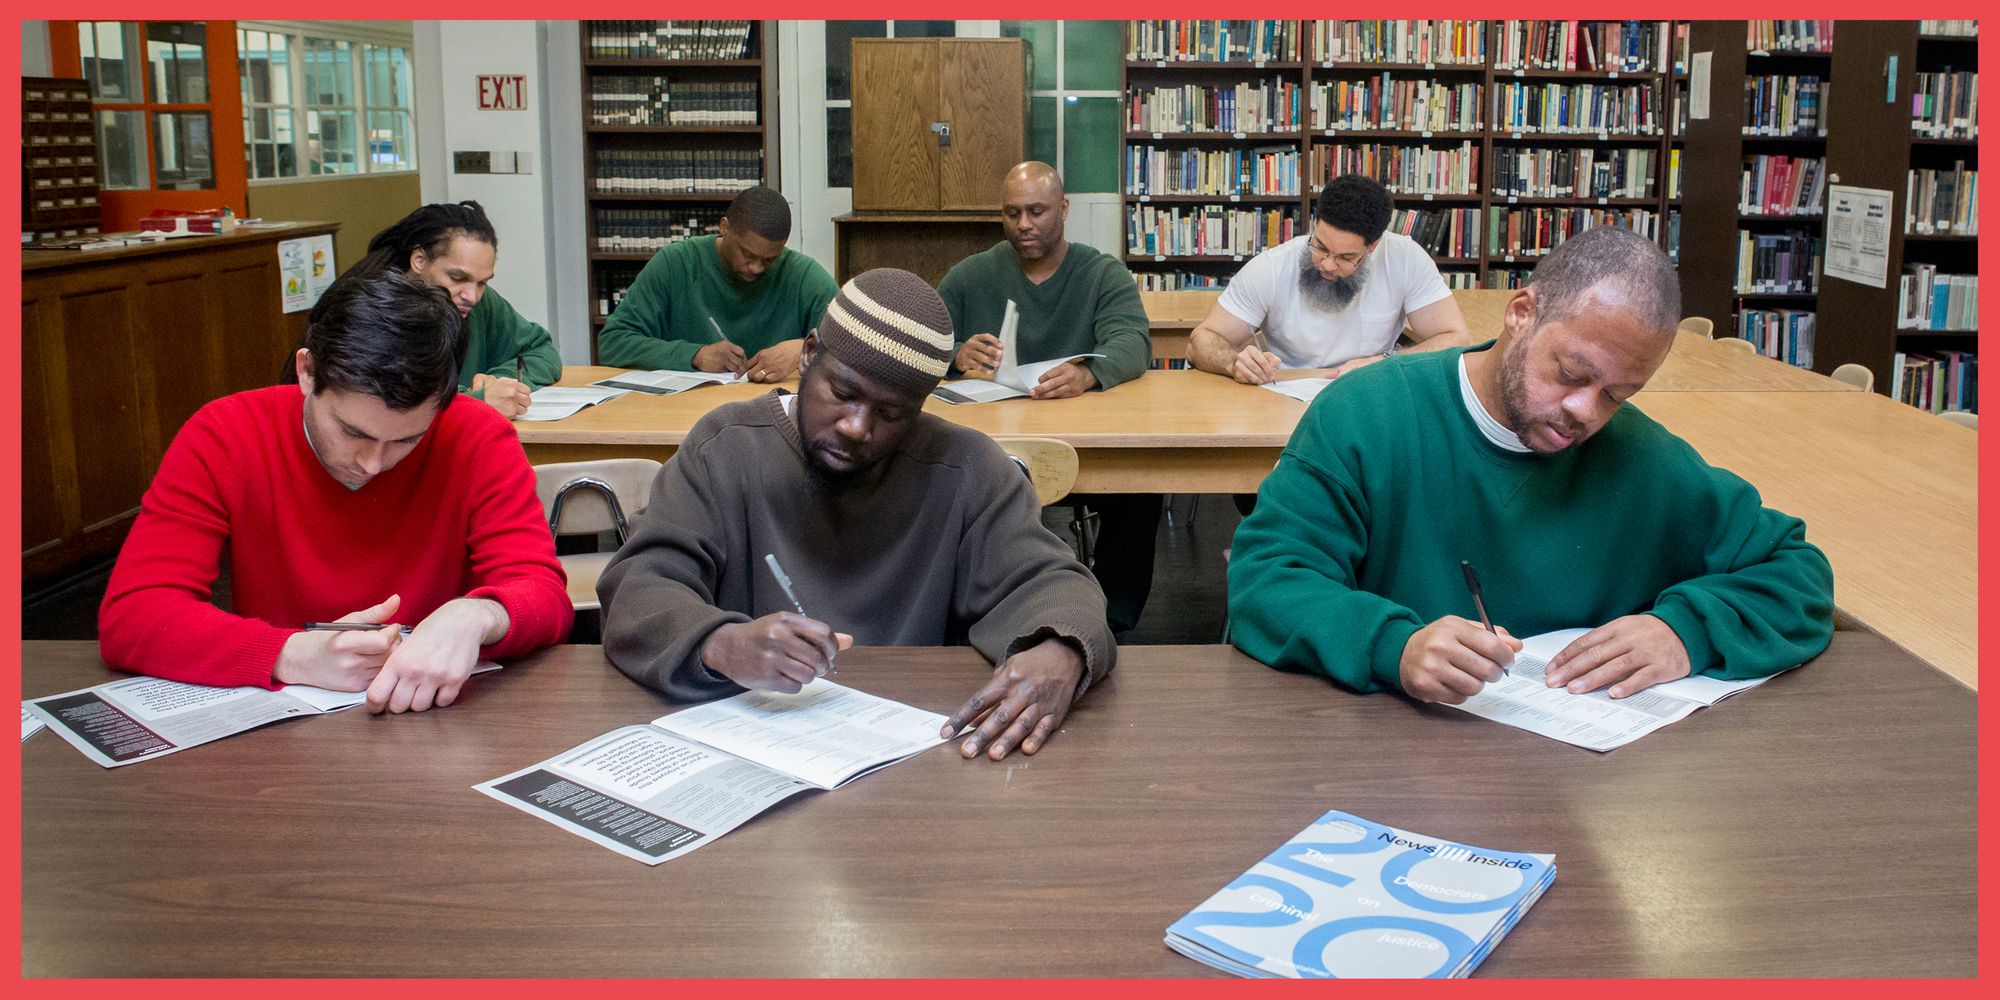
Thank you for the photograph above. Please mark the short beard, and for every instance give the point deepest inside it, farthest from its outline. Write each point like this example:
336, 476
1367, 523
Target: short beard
1325, 294
1514, 388
821, 482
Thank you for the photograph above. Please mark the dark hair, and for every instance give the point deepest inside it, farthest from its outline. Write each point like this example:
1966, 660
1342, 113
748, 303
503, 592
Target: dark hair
380, 334
1355, 204
1633, 267
431, 228
762, 211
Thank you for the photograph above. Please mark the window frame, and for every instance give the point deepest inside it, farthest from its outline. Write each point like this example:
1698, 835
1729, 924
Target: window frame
360, 37
148, 109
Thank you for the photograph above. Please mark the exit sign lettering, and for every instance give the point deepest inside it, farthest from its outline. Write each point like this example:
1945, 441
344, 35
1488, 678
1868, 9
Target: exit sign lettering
503, 93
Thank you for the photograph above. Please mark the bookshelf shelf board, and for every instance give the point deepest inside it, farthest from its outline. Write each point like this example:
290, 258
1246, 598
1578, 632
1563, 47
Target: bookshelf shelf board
1401, 67
1821, 55
633, 255
1458, 261
1940, 238
1503, 200
1508, 135
1419, 199
1924, 140
1212, 199
672, 63
1132, 258
692, 196
675, 129
1607, 75
1952, 39
1814, 218
1325, 135
1938, 333
1213, 136
1778, 296
1793, 137
1198, 64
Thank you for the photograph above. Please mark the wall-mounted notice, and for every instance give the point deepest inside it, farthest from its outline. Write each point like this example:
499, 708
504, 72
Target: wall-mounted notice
292, 275
1698, 71
1857, 234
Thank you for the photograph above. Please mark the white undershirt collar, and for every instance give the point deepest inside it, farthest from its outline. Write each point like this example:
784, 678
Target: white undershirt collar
1494, 430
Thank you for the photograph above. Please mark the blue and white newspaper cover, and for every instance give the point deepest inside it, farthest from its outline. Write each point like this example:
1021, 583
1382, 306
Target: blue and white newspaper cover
1351, 898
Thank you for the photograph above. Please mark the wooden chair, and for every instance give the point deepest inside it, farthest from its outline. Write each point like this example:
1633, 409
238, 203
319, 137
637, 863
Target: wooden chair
1050, 465
1699, 325
1737, 344
1856, 375
588, 498
1962, 418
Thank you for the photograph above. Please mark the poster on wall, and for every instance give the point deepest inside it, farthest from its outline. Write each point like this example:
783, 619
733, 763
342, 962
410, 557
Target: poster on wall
1857, 235
320, 269
292, 275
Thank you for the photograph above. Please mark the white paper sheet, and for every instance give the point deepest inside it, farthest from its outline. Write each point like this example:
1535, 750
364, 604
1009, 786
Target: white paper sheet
826, 734
556, 402
661, 382
1302, 389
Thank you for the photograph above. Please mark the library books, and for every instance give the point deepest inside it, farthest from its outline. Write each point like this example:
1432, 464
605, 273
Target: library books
1674, 174
1211, 41
1574, 172
1206, 230
1351, 898
1782, 185
1956, 29
1784, 334
634, 230
1446, 232
1387, 101
657, 100
1601, 46
669, 39
1945, 105
1403, 169
1575, 108
1782, 105
677, 171
1443, 43
1788, 36
1176, 281
1534, 231
1937, 384
1182, 170
1786, 263
1927, 300
1942, 202
1266, 106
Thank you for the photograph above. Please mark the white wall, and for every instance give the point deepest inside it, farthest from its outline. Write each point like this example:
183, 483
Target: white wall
35, 48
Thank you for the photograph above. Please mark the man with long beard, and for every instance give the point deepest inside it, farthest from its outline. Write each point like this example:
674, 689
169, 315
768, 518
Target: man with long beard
1333, 300
897, 527
1520, 457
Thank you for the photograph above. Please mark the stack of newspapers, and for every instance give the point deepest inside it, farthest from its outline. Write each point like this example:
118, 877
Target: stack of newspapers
1350, 898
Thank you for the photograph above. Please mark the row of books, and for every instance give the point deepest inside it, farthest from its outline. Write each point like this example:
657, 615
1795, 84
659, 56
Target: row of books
1177, 281
1442, 232
1673, 240
655, 100
1506, 277
1784, 334
1440, 42
1945, 105
1960, 29
669, 39
1937, 384
1273, 106
1576, 108
1184, 170
1459, 278
1534, 231
1587, 46
627, 230
1784, 263
677, 171
1383, 101
1782, 185
1449, 170
1574, 172
1784, 105
1942, 202
1211, 41
1788, 36
1207, 230
1927, 300
614, 278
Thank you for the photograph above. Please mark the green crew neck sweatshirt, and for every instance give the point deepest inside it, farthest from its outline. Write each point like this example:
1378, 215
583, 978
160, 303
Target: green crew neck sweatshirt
1090, 305
503, 343
1387, 484
663, 319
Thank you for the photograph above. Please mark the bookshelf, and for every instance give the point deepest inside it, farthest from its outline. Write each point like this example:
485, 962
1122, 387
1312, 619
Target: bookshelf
58, 160
678, 117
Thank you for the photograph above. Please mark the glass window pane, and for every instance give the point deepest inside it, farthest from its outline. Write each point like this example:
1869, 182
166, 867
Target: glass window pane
329, 73
1042, 116
1092, 53
177, 61
387, 72
330, 143
1041, 36
108, 49
389, 140
1091, 142
840, 57
840, 147
926, 29
121, 148
263, 62
182, 150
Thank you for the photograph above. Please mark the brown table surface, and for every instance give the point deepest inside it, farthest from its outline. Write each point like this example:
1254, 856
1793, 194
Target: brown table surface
1822, 825
41, 260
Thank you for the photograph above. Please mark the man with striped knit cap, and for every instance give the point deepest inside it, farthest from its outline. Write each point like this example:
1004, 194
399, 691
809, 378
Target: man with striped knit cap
897, 528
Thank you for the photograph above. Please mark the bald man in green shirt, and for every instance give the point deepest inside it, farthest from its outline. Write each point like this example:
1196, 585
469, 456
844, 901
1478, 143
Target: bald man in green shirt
743, 281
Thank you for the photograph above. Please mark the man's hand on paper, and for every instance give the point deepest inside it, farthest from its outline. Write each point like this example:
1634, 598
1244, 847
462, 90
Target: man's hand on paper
979, 355
721, 356
1025, 701
341, 661
427, 668
779, 652
1063, 381
1450, 659
510, 396
775, 363
1631, 654
1254, 366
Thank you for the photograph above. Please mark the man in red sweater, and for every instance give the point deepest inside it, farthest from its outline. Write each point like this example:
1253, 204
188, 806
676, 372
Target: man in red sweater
370, 492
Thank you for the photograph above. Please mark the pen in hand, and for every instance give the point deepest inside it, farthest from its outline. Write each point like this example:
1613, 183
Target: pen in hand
785, 584
347, 627
1479, 601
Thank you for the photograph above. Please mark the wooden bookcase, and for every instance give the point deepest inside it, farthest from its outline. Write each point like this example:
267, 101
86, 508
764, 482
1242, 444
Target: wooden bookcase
611, 269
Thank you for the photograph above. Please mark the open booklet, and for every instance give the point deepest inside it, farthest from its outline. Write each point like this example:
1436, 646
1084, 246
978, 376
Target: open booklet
555, 402
139, 718
662, 382
658, 791
1302, 389
1594, 721
1012, 380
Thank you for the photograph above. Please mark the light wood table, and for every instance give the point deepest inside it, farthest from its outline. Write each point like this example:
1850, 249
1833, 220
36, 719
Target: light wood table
1797, 830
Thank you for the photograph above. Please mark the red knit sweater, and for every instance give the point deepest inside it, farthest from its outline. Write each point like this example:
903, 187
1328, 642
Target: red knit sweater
457, 517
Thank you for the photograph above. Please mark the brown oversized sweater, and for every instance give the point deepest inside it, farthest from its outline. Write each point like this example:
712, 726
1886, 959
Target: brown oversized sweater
941, 544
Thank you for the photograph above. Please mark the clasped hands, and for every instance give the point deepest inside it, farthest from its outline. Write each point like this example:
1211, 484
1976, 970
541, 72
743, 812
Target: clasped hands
412, 673
1450, 659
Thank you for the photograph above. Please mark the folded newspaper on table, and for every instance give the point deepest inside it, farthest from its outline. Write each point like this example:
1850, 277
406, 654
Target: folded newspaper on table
558, 401
1011, 380
662, 382
658, 791
1594, 721
140, 718
1350, 898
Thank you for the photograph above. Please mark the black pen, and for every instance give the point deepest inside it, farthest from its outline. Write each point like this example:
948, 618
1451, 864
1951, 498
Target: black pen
346, 627
1479, 601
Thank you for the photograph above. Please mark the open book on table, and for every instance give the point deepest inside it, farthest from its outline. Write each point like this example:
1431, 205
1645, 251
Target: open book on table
1011, 380
657, 791
555, 402
662, 382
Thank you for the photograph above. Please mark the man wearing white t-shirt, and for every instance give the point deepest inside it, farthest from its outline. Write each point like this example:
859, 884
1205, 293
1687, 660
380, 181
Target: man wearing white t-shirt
1333, 300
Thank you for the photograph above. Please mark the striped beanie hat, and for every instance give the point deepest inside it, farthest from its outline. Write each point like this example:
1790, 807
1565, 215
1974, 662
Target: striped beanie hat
890, 325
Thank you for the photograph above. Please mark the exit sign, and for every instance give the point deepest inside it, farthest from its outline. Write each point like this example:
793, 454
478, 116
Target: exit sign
503, 93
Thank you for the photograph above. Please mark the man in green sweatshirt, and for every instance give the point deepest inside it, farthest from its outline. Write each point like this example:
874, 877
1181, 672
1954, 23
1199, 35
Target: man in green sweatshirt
738, 301
1073, 299
895, 526
1520, 457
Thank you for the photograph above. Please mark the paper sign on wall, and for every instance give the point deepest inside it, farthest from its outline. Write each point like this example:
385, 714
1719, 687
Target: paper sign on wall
1857, 235
1699, 69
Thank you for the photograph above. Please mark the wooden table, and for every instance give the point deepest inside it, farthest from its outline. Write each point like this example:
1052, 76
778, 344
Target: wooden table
1822, 825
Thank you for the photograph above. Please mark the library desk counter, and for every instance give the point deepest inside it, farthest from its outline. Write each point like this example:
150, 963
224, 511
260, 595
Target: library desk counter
1795, 830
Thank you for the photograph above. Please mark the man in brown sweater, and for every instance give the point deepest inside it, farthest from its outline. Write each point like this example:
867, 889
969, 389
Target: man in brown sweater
897, 526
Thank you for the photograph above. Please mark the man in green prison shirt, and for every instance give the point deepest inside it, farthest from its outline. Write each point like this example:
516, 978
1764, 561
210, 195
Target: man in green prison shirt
743, 280
1073, 299
1576, 510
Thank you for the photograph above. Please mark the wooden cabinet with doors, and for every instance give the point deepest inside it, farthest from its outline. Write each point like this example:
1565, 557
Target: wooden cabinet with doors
937, 121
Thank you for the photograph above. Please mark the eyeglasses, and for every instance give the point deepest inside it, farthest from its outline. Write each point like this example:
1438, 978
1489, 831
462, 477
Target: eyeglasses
1350, 260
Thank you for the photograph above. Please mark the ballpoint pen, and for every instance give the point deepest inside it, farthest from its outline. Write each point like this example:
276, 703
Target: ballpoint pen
1479, 601
346, 627
785, 584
